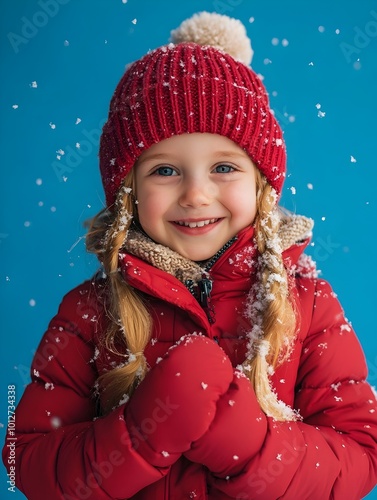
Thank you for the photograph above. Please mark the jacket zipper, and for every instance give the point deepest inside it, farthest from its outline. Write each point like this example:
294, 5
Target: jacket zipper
218, 254
201, 290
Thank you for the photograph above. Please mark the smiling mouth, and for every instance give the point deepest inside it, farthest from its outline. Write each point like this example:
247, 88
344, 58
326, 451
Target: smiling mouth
199, 223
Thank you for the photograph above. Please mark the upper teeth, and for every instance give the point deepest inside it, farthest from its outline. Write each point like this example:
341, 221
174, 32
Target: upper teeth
200, 223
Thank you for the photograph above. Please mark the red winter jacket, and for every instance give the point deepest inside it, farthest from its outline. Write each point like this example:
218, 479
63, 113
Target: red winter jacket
65, 451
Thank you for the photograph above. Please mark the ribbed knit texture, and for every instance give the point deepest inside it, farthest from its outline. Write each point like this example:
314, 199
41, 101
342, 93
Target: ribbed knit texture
188, 88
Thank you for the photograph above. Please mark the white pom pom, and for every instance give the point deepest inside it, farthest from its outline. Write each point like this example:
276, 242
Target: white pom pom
216, 30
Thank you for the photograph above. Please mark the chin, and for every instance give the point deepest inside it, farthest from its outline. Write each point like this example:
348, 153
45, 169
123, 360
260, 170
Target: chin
197, 256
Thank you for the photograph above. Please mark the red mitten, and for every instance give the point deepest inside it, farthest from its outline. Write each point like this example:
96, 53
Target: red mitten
176, 402
236, 433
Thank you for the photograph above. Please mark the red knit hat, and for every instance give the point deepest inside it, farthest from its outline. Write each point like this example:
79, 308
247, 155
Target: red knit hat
185, 88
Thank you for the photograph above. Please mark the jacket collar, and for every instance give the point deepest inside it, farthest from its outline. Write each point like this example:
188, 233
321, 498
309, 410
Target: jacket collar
294, 233
160, 272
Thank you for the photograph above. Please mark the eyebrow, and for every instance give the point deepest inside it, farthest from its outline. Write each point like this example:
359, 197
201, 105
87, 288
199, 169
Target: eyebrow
231, 154
156, 156
217, 154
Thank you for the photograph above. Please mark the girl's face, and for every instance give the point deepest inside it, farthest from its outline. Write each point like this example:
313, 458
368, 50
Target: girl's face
195, 192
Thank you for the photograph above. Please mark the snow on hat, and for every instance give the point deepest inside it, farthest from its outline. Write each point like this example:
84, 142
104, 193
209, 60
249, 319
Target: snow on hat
201, 82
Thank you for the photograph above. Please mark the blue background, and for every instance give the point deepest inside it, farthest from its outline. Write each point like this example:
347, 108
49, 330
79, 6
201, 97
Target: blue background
319, 62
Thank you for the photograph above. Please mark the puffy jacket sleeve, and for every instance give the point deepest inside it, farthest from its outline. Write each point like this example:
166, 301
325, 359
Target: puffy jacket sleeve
62, 450
332, 452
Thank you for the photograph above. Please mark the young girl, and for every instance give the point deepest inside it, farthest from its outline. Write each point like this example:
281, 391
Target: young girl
207, 361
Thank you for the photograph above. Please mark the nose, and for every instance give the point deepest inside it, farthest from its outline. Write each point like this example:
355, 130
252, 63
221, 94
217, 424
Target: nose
196, 193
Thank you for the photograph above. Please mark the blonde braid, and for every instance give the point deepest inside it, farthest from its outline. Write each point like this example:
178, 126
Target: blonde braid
269, 307
130, 326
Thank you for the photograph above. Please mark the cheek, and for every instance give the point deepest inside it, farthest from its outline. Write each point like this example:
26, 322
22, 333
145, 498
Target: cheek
150, 207
242, 202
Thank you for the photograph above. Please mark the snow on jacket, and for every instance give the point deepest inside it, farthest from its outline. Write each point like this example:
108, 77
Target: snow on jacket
66, 450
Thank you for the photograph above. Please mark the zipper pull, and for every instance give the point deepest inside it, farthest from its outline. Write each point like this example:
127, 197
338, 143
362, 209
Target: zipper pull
205, 288
202, 292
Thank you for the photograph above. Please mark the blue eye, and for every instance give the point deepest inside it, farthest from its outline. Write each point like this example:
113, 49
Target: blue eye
224, 169
165, 171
